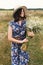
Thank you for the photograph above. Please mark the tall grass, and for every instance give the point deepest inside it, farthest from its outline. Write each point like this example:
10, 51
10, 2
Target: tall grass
35, 44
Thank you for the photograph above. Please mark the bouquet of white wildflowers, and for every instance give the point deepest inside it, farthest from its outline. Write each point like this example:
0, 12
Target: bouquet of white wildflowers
24, 46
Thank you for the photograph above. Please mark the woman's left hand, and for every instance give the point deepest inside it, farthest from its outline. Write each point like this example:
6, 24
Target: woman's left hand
31, 34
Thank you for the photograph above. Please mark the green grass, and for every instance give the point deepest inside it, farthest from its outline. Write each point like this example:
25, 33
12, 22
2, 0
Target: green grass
35, 46
5, 52
35, 50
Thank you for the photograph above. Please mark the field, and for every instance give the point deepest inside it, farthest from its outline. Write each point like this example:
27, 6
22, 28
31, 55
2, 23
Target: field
35, 44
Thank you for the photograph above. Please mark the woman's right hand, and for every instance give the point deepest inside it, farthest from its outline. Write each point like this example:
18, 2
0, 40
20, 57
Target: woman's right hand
24, 40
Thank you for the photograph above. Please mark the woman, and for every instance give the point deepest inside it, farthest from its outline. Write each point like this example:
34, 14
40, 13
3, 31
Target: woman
17, 35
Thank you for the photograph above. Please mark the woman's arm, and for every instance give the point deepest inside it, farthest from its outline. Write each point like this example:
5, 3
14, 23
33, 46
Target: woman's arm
10, 38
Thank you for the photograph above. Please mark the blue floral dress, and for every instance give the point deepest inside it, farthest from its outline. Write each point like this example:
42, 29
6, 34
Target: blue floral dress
18, 56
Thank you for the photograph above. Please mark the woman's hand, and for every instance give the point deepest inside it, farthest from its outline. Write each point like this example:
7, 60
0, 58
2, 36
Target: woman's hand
31, 34
22, 41
25, 40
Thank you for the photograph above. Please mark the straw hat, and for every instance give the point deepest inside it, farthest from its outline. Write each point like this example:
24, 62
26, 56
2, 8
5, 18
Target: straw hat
24, 7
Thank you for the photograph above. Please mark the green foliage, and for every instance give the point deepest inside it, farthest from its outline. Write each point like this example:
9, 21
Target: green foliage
36, 29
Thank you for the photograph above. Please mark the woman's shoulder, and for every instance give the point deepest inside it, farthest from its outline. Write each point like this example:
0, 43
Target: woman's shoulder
24, 21
11, 22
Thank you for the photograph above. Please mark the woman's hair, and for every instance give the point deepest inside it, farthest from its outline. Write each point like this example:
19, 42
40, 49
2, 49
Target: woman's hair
16, 15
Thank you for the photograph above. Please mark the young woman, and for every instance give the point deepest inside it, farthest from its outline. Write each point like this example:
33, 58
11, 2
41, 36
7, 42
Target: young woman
17, 35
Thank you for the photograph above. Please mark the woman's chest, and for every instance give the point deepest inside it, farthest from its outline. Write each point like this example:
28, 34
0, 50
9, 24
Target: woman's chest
19, 29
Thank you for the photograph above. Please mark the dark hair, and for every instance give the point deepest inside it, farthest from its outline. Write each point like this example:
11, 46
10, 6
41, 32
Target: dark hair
16, 15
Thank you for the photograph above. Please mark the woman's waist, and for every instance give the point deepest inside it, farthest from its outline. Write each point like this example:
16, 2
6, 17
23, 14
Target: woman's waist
19, 37
16, 44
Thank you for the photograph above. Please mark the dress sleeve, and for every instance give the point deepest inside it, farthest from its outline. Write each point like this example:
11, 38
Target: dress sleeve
25, 25
11, 23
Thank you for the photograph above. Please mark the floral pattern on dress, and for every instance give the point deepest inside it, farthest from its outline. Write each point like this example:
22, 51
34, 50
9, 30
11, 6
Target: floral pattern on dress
18, 56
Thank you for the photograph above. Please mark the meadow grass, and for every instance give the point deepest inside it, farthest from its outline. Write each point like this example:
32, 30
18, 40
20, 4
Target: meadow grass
35, 45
